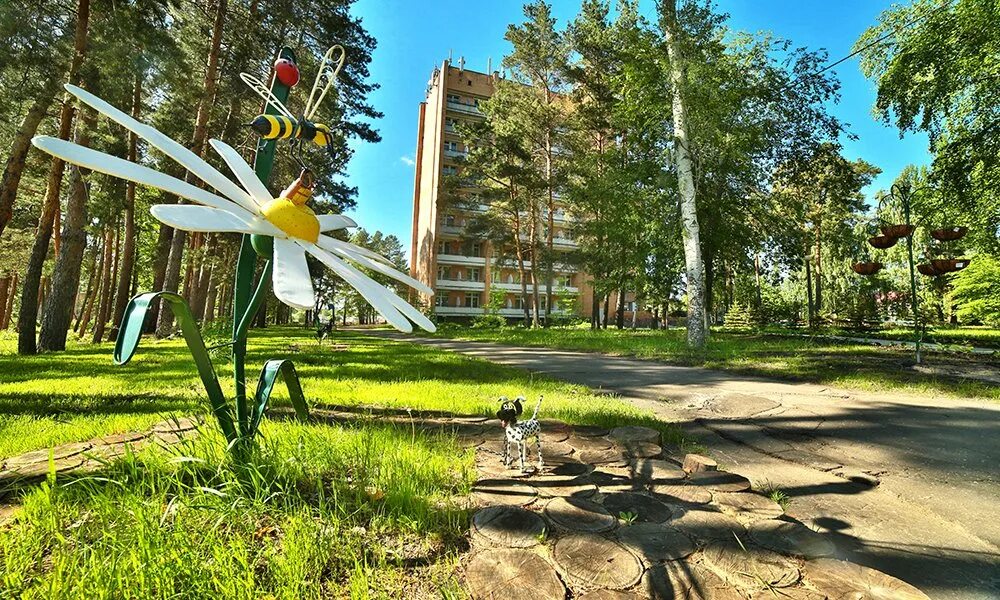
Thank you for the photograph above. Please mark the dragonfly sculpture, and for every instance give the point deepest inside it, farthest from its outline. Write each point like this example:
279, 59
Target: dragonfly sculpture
284, 230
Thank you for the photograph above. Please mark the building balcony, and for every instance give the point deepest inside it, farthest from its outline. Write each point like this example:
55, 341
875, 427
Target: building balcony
564, 243
458, 311
460, 259
556, 268
457, 154
516, 287
451, 229
467, 109
459, 284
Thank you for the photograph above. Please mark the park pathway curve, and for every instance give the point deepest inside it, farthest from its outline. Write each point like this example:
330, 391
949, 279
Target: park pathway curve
908, 485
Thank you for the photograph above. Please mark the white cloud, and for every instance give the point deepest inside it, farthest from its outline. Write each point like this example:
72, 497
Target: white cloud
406, 160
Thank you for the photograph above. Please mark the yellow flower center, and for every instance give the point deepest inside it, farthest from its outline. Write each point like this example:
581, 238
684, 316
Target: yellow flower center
298, 221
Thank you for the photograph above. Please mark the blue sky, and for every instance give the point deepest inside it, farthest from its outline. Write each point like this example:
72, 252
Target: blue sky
413, 37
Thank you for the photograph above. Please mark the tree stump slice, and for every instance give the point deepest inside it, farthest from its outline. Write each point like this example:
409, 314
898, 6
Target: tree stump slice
749, 567
655, 471
16, 463
634, 433
642, 449
556, 448
646, 508
503, 492
655, 542
610, 595
589, 444
791, 538
119, 438
615, 479
554, 486
508, 527
590, 431
720, 481
708, 525
512, 574
608, 456
748, 506
566, 467
176, 425
683, 495
577, 514
841, 579
684, 580
41, 469
696, 463
591, 561
791, 593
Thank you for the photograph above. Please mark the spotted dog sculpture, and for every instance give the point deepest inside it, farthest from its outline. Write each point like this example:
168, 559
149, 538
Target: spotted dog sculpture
519, 432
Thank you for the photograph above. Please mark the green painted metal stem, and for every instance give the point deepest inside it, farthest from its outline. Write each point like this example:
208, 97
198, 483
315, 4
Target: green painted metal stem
918, 332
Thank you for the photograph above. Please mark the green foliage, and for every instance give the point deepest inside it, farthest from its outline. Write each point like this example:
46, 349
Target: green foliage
976, 289
742, 316
488, 321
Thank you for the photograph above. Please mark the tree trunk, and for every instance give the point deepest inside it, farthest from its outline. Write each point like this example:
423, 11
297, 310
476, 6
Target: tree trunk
549, 267
128, 251
620, 311
9, 310
28, 316
519, 251
697, 333
101, 316
57, 313
819, 271
607, 308
19, 148
160, 258
91, 261
533, 253
93, 291
165, 321
595, 310
4, 292
811, 321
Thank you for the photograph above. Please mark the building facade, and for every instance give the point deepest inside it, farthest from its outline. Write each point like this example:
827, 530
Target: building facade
462, 270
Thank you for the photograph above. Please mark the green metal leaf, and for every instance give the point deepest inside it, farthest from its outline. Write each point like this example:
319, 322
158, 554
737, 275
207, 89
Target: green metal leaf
130, 334
265, 385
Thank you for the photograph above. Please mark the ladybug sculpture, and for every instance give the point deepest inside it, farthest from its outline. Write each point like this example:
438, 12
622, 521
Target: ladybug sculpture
286, 71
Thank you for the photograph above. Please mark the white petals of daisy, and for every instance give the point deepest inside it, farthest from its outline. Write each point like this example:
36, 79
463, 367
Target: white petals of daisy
334, 222
203, 218
292, 283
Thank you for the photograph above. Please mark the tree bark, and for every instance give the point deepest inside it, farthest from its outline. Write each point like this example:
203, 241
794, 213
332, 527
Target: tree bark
819, 270
697, 333
128, 251
4, 291
103, 308
165, 322
19, 148
162, 254
620, 311
57, 315
811, 321
9, 310
28, 316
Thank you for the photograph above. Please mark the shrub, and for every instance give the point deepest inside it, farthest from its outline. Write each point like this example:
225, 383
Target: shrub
976, 289
488, 322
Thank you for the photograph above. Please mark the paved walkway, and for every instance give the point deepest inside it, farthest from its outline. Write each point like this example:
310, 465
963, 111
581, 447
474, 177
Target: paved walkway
908, 485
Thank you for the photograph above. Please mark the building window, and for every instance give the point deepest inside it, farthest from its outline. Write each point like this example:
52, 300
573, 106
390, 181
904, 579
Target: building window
471, 300
474, 275
476, 249
451, 146
449, 220
442, 247
449, 170
454, 98
440, 300
450, 124
443, 273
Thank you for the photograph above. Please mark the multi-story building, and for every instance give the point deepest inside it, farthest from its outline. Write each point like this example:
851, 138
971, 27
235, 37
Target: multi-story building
463, 270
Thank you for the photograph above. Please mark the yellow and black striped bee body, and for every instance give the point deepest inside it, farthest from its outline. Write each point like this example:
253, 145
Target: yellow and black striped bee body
280, 127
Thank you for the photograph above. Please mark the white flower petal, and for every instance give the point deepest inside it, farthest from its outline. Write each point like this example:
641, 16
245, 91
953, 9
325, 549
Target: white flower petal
292, 283
333, 222
123, 169
202, 218
375, 294
189, 160
330, 243
364, 261
243, 172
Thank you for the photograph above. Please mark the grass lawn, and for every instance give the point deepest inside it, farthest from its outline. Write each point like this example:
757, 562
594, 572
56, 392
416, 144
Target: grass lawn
855, 366
360, 509
982, 337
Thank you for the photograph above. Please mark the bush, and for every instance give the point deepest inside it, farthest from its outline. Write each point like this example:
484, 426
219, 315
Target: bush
488, 322
976, 290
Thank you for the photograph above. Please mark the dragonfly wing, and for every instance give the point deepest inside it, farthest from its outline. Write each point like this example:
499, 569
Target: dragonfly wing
265, 94
130, 171
375, 294
243, 172
374, 265
327, 70
189, 160
332, 222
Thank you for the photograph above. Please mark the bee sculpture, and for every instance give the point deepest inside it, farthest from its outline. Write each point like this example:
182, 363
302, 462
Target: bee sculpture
284, 126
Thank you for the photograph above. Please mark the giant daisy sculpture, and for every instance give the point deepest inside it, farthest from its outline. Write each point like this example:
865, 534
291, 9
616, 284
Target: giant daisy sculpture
283, 230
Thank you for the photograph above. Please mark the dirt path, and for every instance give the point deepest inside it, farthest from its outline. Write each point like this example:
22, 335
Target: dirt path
906, 484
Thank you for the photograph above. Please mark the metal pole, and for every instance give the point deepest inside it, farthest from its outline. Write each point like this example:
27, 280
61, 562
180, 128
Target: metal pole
905, 195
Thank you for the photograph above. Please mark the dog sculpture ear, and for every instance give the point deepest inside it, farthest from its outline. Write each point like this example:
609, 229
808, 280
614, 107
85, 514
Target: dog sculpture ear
503, 399
517, 405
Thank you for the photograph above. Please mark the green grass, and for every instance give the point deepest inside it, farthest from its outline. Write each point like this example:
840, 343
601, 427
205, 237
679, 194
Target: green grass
843, 364
982, 337
359, 508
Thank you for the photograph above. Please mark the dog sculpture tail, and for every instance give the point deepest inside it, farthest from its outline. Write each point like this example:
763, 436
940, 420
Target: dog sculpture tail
537, 406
